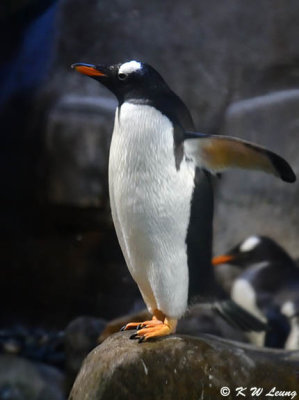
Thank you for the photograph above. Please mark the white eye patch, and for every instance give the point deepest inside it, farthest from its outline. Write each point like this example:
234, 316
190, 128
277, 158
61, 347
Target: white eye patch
129, 67
250, 243
288, 309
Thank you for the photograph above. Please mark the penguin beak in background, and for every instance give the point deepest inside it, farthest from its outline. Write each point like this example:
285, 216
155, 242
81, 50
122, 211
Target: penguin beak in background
89, 70
223, 259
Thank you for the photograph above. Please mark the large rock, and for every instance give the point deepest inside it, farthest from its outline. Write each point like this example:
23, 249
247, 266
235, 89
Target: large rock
251, 202
181, 367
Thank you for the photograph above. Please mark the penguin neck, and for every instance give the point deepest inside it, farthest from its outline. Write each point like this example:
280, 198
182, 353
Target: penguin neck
164, 100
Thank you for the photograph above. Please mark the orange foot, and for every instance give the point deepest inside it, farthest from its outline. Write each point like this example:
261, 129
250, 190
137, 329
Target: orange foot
159, 325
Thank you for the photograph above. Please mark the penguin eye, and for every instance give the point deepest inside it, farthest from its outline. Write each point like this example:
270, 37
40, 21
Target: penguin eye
122, 76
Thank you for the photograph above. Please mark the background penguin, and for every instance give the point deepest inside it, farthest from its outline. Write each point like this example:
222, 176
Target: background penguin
160, 190
267, 285
252, 250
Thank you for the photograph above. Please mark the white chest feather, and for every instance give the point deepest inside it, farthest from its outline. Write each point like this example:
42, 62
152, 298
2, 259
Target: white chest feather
243, 294
150, 202
292, 342
289, 310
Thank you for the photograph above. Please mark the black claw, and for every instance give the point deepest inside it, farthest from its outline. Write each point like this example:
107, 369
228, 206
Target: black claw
141, 339
124, 328
134, 336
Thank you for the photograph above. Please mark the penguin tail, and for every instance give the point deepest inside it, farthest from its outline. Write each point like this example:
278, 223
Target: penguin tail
219, 153
238, 317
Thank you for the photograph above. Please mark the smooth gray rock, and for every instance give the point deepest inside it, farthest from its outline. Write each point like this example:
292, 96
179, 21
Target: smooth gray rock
21, 379
81, 336
252, 202
181, 367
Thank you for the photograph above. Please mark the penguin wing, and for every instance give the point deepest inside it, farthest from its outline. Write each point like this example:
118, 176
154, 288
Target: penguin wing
218, 153
238, 317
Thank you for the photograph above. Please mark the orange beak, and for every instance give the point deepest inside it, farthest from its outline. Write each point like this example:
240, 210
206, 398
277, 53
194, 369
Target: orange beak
86, 69
225, 258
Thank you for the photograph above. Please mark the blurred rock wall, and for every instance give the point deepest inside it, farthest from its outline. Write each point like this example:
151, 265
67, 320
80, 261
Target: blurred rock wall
235, 64
254, 202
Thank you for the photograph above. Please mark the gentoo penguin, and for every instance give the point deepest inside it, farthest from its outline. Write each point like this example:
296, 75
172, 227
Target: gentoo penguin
267, 285
159, 186
252, 250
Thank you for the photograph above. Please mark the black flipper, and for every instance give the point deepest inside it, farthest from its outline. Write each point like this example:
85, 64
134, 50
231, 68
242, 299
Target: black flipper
219, 153
238, 317
279, 328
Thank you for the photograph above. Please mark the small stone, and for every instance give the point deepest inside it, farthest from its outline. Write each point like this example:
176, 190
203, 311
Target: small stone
11, 347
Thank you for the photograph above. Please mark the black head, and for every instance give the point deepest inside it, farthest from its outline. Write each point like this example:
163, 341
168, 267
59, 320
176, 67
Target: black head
131, 80
254, 249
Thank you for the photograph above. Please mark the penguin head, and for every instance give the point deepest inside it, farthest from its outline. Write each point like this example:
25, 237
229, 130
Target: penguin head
254, 249
127, 81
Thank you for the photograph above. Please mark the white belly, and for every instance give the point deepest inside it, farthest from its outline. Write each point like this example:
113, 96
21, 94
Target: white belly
150, 203
292, 342
243, 294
